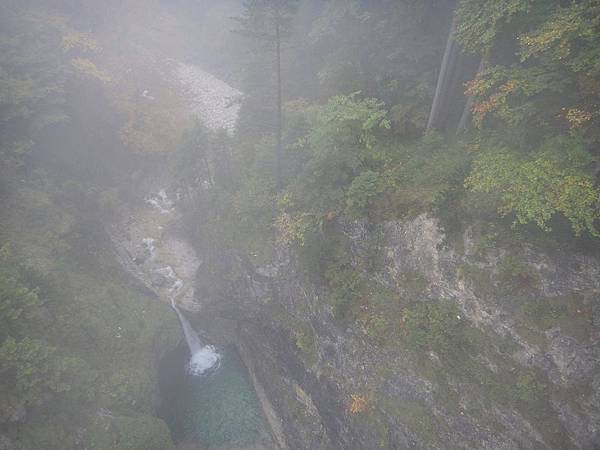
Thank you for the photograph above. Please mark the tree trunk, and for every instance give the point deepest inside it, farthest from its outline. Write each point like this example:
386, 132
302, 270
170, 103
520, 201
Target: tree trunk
448, 61
279, 149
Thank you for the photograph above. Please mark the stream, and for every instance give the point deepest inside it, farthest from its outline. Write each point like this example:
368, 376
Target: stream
172, 263
208, 399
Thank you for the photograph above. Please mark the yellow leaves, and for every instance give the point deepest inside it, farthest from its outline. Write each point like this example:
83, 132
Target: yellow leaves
509, 86
576, 117
293, 229
358, 404
87, 67
558, 34
75, 40
555, 181
75, 44
474, 87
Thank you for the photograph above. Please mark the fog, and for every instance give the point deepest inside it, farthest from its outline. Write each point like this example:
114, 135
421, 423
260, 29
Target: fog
299, 224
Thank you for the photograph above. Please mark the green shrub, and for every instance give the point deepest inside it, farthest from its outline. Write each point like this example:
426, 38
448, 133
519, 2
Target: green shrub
515, 275
435, 326
33, 372
361, 192
568, 312
554, 180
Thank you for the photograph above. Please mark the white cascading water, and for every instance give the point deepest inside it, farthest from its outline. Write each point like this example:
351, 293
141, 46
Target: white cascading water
160, 200
203, 357
216, 104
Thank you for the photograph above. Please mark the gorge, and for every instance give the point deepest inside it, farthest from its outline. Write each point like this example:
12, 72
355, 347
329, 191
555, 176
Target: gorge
299, 225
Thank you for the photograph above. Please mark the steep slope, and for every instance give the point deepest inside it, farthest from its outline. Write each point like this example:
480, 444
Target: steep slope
492, 347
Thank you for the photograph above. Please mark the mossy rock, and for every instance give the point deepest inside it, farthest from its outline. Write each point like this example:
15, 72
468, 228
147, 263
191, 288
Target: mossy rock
569, 313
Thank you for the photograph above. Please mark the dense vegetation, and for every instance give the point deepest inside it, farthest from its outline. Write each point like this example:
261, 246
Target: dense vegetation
357, 93
355, 112
332, 130
79, 340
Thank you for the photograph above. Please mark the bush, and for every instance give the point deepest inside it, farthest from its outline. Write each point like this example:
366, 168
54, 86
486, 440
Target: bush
435, 326
362, 190
554, 180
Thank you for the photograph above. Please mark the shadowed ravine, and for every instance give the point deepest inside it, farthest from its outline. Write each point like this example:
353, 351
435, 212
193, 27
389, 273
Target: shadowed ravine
208, 399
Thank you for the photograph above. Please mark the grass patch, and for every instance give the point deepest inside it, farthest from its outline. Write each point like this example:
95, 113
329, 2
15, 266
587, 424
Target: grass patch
569, 313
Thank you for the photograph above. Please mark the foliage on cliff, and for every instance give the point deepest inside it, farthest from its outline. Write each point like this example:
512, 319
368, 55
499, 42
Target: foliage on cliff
531, 153
358, 88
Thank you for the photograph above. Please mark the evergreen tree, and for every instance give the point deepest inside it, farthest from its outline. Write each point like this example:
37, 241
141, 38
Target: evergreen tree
268, 24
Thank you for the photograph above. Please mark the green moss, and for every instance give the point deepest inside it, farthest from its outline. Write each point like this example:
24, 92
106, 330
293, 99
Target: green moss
515, 275
91, 312
512, 276
419, 419
414, 284
479, 278
377, 422
476, 363
301, 332
305, 343
435, 326
143, 433
44, 435
569, 313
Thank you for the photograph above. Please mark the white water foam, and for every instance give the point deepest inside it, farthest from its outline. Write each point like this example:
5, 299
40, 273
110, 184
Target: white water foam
204, 357
161, 201
148, 244
203, 360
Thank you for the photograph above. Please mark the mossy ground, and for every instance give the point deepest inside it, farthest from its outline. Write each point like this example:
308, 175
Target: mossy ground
93, 311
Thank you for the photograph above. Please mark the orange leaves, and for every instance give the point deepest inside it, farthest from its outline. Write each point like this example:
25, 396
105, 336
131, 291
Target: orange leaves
481, 109
358, 404
473, 87
74, 39
486, 106
481, 87
153, 112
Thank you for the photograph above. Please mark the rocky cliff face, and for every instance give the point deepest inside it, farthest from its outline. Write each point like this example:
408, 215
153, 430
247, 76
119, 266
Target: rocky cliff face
516, 364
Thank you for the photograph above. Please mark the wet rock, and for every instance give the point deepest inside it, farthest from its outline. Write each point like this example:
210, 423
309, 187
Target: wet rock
158, 280
574, 362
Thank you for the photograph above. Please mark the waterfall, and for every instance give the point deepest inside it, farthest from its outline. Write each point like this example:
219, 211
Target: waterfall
204, 357
177, 278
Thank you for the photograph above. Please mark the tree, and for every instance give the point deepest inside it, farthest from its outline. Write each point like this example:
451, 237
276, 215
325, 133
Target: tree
543, 63
31, 369
268, 24
390, 50
456, 68
18, 304
39, 53
536, 188
343, 145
